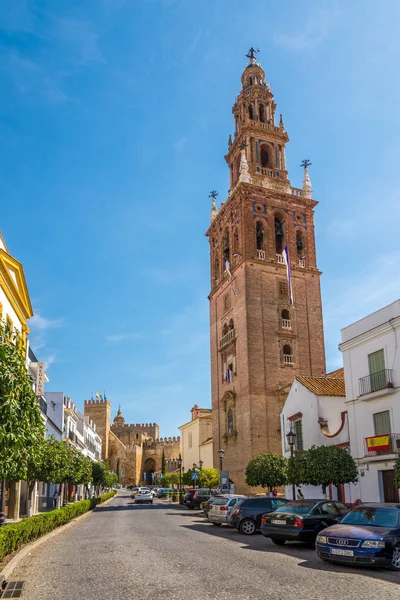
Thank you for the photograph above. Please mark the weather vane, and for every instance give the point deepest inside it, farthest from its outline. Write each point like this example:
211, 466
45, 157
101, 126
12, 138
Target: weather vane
213, 195
252, 53
306, 163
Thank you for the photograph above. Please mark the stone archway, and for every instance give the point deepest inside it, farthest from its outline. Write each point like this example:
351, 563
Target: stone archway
149, 469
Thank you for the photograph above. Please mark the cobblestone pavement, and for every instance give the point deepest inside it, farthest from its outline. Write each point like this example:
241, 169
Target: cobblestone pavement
162, 551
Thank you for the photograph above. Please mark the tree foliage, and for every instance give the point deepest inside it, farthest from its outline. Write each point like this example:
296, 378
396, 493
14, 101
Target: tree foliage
323, 466
209, 478
163, 464
397, 472
21, 426
102, 476
268, 470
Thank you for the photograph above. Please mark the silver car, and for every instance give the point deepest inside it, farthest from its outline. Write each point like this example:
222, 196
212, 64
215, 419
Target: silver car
221, 507
144, 497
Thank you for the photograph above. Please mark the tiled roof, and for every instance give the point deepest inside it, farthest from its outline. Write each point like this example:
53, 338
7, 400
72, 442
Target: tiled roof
338, 374
323, 386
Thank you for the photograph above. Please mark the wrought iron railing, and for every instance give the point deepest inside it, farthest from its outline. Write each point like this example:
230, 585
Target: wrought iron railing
386, 444
376, 381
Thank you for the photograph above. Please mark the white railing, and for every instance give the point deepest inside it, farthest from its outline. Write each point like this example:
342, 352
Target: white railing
280, 259
288, 359
227, 338
286, 324
302, 262
261, 254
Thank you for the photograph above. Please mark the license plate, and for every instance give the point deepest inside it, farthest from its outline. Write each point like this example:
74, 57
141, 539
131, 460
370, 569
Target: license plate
278, 522
341, 552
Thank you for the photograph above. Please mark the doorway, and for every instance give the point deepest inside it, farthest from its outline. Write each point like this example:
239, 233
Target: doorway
390, 491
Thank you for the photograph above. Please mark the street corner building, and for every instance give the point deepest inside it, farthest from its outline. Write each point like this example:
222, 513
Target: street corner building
135, 450
265, 301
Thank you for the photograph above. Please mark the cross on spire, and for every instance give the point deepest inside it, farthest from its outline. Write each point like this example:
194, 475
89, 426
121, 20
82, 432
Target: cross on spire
306, 163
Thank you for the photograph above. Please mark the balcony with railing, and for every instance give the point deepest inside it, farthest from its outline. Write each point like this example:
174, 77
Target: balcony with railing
227, 338
378, 445
280, 259
288, 359
42, 405
376, 381
261, 254
71, 436
286, 324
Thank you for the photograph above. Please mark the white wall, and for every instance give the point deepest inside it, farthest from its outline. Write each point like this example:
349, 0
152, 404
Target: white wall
8, 310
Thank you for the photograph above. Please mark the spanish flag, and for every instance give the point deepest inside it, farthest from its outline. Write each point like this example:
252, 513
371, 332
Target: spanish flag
97, 395
378, 442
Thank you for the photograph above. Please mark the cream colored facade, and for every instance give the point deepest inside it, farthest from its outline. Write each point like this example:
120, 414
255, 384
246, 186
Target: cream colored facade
196, 439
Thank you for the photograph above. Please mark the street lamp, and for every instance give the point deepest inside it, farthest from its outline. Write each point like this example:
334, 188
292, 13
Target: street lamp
291, 440
201, 464
221, 454
180, 478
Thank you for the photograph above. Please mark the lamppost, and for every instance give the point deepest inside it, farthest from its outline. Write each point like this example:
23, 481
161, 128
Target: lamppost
201, 464
221, 454
180, 478
291, 440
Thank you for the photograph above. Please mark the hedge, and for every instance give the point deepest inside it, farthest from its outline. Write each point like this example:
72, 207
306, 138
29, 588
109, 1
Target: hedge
13, 536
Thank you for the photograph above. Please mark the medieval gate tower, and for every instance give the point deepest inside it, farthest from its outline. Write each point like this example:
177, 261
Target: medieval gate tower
263, 333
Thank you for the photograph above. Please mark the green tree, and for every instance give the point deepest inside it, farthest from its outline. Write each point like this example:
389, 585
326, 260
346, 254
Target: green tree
329, 465
21, 425
163, 464
187, 477
297, 473
101, 475
209, 478
268, 470
166, 480
397, 471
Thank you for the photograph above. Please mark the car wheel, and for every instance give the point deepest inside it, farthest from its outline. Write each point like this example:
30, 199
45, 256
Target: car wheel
396, 558
278, 542
247, 526
217, 524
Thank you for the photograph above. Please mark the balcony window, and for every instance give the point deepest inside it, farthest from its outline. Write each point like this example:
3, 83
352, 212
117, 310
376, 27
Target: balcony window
298, 430
375, 382
287, 355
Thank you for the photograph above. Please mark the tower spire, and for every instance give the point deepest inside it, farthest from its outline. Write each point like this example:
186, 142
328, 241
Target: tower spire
214, 210
307, 187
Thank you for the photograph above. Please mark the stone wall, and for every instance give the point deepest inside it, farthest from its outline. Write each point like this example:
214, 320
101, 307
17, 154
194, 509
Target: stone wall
99, 412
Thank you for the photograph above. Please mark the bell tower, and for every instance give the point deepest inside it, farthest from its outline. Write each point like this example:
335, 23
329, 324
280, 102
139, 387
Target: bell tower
265, 300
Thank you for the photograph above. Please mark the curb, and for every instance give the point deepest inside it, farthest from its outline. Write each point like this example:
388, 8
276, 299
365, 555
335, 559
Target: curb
14, 562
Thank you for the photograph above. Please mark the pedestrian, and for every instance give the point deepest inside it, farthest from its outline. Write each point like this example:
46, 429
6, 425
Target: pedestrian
275, 493
55, 498
299, 494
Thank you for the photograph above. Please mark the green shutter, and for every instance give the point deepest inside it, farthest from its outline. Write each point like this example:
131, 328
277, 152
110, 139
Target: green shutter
376, 362
382, 423
298, 430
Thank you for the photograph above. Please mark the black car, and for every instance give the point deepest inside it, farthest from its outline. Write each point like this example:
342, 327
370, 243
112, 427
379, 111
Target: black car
246, 516
193, 498
301, 520
368, 535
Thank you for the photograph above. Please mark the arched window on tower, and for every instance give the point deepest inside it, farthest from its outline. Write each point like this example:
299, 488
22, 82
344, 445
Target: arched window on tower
231, 325
225, 329
286, 322
300, 248
279, 235
236, 242
230, 422
265, 157
262, 113
259, 236
227, 251
251, 112
216, 268
287, 354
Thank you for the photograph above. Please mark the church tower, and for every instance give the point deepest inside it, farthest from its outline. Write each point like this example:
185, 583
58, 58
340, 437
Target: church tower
265, 327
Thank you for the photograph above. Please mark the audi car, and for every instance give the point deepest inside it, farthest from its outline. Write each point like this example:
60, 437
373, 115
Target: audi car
368, 535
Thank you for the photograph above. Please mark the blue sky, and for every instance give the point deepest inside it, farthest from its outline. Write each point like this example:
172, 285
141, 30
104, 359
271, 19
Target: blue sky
115, 116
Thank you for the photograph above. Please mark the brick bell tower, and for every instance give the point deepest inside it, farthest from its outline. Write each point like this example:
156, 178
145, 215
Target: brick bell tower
262, 335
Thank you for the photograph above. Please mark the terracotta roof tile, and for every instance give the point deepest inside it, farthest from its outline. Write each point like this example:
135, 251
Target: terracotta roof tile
323, 386
338, 374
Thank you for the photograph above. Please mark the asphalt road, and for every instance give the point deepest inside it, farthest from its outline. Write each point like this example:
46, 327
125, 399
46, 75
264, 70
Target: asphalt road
165, 552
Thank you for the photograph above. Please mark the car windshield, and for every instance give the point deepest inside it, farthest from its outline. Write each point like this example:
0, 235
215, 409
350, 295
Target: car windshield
371, 515
301, 508
220, 501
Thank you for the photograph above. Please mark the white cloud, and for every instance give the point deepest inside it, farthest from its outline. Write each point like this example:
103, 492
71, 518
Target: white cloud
313, 32
41, 323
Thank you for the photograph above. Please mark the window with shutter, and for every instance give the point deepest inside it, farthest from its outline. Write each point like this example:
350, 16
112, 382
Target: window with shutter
298, 430
382, 423
376, 363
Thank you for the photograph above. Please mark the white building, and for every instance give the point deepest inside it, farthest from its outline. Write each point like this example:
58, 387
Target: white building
196, 439
92, 439
315, 411
371, 357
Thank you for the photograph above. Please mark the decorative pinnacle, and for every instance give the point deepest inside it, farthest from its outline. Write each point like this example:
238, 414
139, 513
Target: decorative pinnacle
306, 163
214, 210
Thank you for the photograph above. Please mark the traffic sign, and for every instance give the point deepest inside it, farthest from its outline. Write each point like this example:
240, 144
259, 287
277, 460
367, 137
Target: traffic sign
195, 476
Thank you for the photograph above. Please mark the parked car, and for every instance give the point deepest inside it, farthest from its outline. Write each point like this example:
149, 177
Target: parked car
207, 506
134, 491
194, 497
367, 535
246, 515
162, 492
144, 497
301, 520
221, 507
